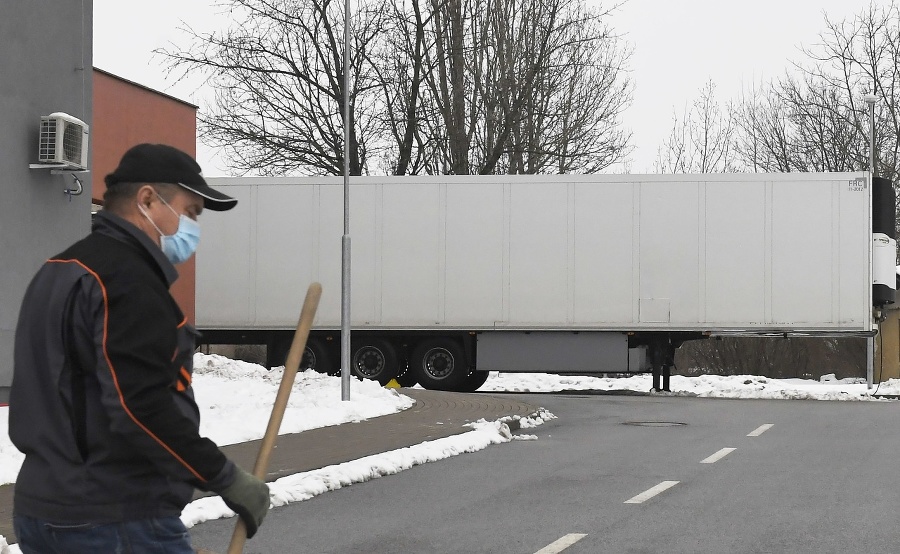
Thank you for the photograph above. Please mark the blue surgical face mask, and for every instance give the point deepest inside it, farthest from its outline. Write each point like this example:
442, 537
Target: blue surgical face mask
178, 247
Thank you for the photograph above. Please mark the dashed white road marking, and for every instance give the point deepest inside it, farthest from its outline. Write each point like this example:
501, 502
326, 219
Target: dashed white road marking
718, 456
761, 429
650, 493
561, 544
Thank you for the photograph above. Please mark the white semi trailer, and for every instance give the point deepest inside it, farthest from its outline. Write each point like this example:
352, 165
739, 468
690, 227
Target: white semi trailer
455, 276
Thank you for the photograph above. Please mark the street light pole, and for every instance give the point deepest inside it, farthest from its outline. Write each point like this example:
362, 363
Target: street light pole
345, 239
870, 99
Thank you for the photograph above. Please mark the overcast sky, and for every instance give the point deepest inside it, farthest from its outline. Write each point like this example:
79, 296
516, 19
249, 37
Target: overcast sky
678, 46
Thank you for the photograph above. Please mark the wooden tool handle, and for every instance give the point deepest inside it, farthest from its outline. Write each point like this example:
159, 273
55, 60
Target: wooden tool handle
295, 354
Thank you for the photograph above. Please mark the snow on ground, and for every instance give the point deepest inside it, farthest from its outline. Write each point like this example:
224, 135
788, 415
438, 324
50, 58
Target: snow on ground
710, 386
236, 398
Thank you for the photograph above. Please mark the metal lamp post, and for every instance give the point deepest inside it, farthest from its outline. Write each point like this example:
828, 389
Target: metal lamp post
870, 99
345, 239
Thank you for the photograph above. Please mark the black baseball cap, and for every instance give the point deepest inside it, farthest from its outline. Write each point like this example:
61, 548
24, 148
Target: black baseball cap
161, 163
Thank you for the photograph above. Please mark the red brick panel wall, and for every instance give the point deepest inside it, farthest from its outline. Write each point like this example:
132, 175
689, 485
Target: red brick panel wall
126, 114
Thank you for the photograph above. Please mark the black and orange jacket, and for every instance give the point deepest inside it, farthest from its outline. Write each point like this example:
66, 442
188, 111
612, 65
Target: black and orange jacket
101, 403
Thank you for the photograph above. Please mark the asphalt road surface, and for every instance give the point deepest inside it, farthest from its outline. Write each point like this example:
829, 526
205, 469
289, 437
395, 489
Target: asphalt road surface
615, 474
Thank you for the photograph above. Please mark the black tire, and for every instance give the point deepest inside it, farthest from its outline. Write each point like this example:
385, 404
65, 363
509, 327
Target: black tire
473, 381
439, 364
317, 356
374, 359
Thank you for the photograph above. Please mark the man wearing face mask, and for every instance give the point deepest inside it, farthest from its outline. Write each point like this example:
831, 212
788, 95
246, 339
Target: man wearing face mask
101, 402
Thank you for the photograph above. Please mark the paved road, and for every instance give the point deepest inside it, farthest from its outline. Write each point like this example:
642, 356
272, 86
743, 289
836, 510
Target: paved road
820, 479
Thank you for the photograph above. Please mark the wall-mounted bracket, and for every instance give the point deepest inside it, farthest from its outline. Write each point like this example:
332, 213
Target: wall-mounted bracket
59, 167
62, 169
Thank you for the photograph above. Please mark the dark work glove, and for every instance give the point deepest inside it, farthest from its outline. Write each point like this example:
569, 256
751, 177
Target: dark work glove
248, 496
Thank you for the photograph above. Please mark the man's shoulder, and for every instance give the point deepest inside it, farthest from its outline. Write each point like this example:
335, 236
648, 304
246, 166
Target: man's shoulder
108, 258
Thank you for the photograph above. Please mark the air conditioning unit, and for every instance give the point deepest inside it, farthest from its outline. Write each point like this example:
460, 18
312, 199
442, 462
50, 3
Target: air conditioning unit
63, 141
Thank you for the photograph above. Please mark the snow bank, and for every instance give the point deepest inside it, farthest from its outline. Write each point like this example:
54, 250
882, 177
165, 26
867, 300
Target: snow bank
710, 386
306, 485
236, 399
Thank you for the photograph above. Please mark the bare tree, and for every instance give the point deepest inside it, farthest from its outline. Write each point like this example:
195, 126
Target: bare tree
399, 62
703, 141
803, 125
438, 86
278, 77
863, 55
568, 120
525, 87
761, 140
815, 119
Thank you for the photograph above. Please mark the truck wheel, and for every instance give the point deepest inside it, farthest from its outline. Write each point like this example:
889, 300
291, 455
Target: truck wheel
439, 364
374, 359
473, 381
317, 357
